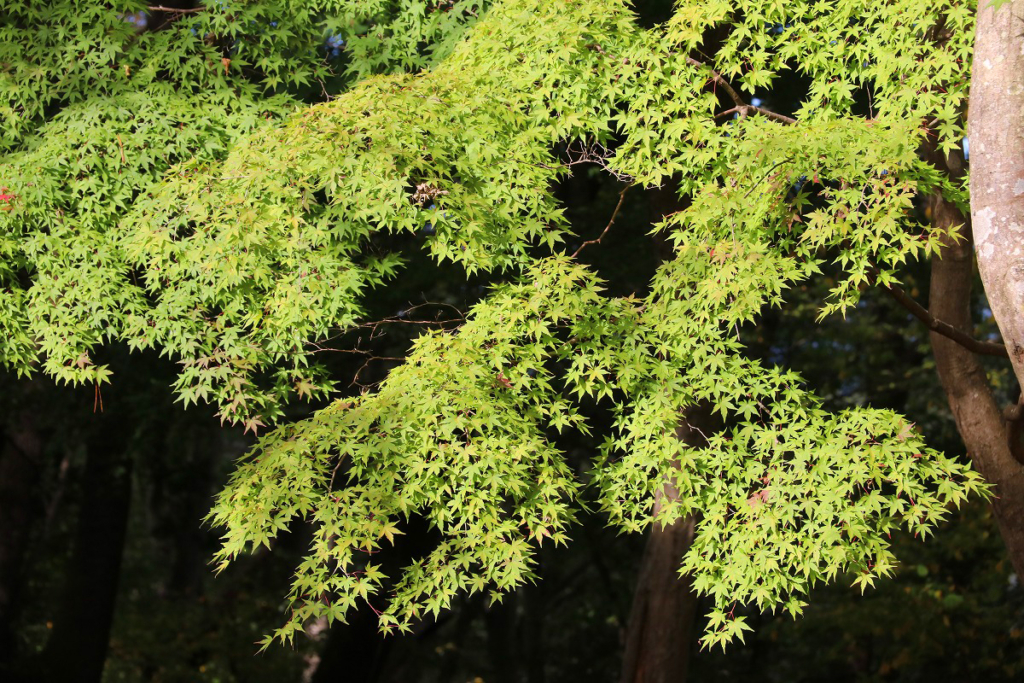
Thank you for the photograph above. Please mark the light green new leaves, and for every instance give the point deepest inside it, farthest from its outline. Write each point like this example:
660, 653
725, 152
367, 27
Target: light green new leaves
261, 239
74, 183
789, 496
95, 114
455, 435
249, 260
385, 35
58, 53
912, 57
796, 501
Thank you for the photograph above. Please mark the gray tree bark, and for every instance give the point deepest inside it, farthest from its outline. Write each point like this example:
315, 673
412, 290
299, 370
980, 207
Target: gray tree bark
995, 124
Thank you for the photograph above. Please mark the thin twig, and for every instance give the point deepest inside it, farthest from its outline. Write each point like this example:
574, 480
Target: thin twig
768, 173
334, 473
622, 197
175, 10
376, 330
593, 153
945, 329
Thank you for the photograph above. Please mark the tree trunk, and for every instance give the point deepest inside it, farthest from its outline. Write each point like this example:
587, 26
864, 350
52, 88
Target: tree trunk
77, 648
500, 622
978, 418
996, 126
354, 651
664, 605
534, 612
658, 636
20, 466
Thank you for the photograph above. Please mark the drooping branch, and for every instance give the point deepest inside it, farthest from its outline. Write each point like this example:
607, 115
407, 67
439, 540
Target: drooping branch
945, 329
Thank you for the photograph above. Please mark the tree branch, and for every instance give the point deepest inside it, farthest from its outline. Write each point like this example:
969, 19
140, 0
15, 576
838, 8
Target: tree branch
741, 105
751, 109
622, 197
175, 10
945, 329
717, 78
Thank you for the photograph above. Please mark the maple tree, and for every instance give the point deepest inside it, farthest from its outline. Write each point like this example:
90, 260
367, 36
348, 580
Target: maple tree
174, 189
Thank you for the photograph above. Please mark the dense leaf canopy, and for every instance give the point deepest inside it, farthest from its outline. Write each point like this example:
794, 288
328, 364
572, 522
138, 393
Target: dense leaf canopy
176, 191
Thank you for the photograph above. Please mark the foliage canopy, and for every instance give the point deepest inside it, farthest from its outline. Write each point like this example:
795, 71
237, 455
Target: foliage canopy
173, 190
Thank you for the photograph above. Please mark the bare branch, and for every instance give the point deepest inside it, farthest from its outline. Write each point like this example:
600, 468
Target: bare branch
945, 329
767, 173
741, 108
175, 10
593, 153
376, 330
751, 109
622, 197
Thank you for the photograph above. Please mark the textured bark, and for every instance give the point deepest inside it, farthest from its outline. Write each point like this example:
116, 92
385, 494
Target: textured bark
996, 127
664, 605
77, 648
978, 418
658, 637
